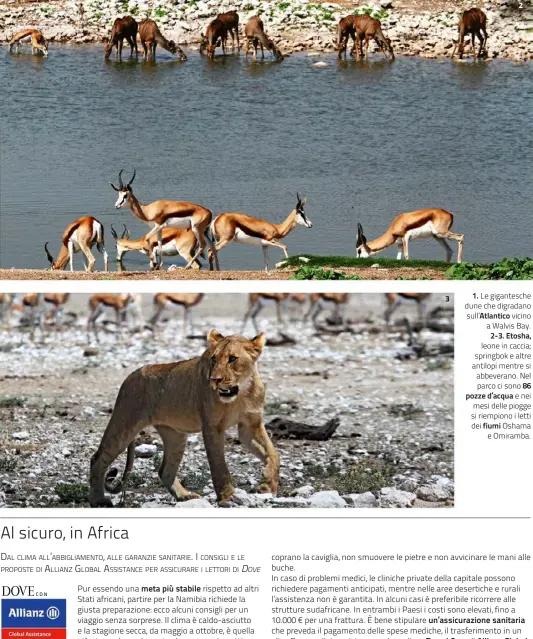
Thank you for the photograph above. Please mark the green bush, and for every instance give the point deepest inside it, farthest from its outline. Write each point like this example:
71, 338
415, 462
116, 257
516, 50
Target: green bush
11, 402
72, 493
369, 475
319, 273
515, 268
374, 12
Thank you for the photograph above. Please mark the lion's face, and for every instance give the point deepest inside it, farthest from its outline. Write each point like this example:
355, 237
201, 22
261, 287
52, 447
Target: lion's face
232, 363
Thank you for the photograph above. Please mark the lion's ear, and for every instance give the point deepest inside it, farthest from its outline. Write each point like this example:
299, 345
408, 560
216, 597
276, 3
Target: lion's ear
214, 337
257, 344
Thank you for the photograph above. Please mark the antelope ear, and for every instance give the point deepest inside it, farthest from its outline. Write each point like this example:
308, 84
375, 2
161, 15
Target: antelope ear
214, 337
114, 187
304, 201
257, 344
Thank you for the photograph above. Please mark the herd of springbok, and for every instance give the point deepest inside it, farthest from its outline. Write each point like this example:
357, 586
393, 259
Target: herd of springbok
360, 28
48, 310
188, 230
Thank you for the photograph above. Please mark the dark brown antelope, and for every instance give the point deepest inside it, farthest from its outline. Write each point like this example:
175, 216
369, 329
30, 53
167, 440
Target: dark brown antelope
367, 28
167, 213
123, 28
473, 22
256, 36
345, 30
230, 19
38, 43
216, 34
151, 36
81, 235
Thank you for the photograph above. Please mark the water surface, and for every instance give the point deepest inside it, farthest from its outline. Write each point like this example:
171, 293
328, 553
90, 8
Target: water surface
363, 142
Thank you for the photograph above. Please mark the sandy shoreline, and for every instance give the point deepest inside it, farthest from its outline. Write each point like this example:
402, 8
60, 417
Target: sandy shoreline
416, 29
180, 274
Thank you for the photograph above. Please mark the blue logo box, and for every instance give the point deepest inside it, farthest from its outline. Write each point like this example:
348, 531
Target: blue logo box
34, 613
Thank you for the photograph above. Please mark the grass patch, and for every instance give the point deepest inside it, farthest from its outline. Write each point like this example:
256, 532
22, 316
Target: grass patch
366, 476
318, 273
515, 268
12, 402
360, 262
72, 493
374, 12
196, 480
159, 12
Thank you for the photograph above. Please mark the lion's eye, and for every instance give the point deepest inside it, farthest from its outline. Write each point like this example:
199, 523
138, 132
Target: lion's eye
232, 359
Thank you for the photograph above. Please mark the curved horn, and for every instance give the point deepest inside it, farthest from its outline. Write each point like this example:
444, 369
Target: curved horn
297, 196
48, 254
120, 183
113, 233
125, 231
132, 178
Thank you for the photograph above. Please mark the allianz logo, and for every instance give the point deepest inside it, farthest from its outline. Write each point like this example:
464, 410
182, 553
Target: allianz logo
50, 613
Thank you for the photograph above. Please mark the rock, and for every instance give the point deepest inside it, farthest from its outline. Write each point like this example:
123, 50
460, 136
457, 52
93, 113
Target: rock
320, 65
386, 4
66, 452
145, 450
326, 499
362, 500
242, 498
194, 503
393, 498
289, 502
304, 491
409, 484
21, 435
445, 483
432, 493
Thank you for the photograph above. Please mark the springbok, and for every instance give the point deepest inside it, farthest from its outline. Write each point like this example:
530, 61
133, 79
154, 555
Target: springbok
245, 229
423, 223
163, 301
322, 301
215, 34
168, 213
123, 28
394, 300
151, 36
81, 235
367, 28
100, 302
256, 36
174, 242
257, 301
473, 22
55, 303
6, 308
38, 42
230, 19
32, 310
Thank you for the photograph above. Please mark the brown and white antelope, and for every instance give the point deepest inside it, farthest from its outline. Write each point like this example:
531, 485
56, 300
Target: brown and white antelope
245, 229
123, 28
81, 235
258, 301
393, 300
151, 36
216, 34
435, 223
163, 301
55, 304
180, 242
100, 302
38, 42
255, 35
322, 301
345, 31
473, 22
168, 213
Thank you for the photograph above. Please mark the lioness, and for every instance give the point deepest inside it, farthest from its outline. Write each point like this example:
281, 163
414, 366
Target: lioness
209, 393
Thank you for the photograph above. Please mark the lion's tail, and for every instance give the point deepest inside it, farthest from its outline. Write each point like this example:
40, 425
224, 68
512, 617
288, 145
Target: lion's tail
116, 485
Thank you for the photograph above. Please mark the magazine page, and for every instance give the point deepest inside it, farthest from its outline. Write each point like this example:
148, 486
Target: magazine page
265, 319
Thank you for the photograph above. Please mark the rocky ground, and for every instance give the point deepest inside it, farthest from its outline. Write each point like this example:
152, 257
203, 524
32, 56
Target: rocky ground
394, 446
420, 27
407, 273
